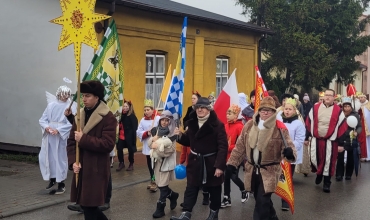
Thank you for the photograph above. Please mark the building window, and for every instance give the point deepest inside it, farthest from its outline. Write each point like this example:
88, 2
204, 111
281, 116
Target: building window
222, 74
154, 77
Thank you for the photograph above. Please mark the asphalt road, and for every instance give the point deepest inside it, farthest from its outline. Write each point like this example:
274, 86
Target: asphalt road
347, 200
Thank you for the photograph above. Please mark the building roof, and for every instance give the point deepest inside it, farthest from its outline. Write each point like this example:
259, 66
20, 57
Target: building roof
178, 9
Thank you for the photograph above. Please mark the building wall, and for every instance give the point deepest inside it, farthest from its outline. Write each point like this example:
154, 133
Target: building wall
364, 59
141, 31
30, 65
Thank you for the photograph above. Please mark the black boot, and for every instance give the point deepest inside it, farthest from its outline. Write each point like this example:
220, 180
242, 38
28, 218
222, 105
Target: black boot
318, 179
184, 216
205, 198
75, 207
159, 212
213, 215
327, 183
173, 199
51, 183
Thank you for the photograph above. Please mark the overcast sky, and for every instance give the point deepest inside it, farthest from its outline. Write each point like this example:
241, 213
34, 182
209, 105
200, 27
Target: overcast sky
222, 7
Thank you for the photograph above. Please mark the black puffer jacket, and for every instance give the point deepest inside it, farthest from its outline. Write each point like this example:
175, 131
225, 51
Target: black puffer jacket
345, 139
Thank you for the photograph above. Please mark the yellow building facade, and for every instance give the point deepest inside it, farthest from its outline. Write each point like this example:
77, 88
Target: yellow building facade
150, 43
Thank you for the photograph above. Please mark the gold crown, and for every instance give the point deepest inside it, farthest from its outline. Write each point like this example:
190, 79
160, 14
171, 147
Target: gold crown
321, 94
360, 94
148, 103
338, 97
291, 101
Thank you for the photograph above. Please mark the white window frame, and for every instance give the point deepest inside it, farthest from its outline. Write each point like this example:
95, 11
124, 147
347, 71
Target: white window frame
155, 91
221, 76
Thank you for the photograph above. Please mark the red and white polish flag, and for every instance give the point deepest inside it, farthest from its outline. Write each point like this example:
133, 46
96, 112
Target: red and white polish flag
228, 96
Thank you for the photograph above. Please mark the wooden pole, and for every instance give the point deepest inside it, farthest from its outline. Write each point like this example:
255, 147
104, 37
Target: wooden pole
78, 124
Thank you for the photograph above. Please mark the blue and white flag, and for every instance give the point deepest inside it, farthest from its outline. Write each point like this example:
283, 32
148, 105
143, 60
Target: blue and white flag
175, 95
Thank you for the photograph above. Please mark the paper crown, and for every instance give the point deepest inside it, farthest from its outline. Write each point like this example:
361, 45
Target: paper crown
235, 109
148, 103
291, 101
346, 100
321, 94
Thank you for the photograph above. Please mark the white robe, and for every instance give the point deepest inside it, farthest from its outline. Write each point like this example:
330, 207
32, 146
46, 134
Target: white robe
53, 154
297, 133
366, 114
146, 125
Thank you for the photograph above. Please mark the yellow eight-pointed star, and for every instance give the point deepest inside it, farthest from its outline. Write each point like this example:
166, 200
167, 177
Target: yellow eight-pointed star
78, 21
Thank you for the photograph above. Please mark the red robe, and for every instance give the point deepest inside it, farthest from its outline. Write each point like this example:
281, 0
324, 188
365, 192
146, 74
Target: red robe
324, 150
362, 136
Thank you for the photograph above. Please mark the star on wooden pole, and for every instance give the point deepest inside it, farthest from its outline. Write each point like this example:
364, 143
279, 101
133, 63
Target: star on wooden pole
78, 19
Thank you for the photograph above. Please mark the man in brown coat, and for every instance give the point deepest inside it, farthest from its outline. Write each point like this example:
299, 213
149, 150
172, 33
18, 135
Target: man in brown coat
262, 143
96, 140
206, 137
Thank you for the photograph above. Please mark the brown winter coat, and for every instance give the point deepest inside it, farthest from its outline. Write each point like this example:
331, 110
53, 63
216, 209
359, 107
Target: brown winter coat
95, 145
210, 138
271, 146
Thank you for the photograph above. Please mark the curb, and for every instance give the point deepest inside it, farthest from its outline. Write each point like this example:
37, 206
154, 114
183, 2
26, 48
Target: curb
55, 202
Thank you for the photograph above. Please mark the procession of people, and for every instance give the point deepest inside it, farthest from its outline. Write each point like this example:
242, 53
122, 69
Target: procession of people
327, 138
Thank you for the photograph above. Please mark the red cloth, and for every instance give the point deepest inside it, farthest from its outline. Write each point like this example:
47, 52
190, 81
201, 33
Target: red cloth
155, 113
362, 136
233, 131
121, 132
185, 151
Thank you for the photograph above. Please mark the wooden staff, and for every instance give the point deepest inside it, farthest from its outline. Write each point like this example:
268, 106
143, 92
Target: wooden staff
78, 116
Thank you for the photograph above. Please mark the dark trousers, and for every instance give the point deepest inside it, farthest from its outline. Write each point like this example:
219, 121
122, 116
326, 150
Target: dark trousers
108, 196
164, 192
93, 213
150, 168
349, 165
120, 146
191, 195
264, 208
235, 178
292, 168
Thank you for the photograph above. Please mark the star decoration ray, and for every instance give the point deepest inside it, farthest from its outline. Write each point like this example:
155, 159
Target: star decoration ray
78, 19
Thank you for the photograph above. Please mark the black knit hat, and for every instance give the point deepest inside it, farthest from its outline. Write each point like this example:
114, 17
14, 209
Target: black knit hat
94, 87
286, 95
253, 93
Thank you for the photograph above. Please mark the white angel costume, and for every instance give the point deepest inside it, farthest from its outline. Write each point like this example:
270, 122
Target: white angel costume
53, 154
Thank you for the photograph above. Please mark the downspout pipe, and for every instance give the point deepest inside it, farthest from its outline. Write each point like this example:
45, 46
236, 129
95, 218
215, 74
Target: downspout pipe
362, 79
111, 11
260, 50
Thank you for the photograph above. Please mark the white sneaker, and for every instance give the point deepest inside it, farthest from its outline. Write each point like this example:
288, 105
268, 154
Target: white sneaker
245, 196
226, 202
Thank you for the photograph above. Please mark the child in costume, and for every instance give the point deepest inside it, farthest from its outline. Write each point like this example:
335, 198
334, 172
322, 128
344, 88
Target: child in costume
233, 129
165, 161
146, 124
55, 129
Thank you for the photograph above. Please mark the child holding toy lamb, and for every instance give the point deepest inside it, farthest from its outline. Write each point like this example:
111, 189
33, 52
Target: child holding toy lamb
163, 153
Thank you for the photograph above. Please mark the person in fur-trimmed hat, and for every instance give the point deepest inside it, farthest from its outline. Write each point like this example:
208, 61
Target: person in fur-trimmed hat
263, 155
96, 139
